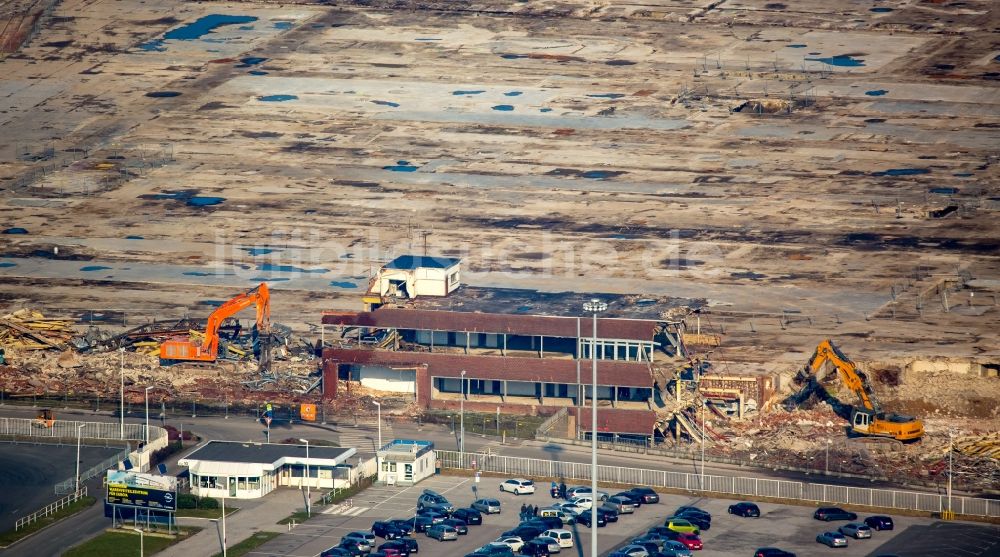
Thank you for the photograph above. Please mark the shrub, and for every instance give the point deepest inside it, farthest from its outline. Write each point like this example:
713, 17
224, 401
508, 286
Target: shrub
187, 501
208, 503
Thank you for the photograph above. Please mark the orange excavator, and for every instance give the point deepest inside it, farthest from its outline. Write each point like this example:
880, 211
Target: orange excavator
868, 419
208, 349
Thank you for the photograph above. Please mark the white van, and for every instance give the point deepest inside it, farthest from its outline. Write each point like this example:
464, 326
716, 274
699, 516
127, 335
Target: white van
564, 537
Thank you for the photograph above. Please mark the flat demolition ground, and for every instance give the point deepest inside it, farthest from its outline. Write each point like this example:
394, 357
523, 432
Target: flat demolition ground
810, 169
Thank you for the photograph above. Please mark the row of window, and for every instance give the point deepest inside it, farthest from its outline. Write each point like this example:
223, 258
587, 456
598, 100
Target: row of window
243, 483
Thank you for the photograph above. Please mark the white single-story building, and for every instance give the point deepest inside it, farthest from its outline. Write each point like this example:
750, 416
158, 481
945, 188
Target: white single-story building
250, 470
411, 276
406, 462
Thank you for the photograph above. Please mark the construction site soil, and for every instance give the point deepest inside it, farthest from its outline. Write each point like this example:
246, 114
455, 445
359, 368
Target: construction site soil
799, 171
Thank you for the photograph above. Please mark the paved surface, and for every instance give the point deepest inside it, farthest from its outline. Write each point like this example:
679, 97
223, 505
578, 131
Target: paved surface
28, 474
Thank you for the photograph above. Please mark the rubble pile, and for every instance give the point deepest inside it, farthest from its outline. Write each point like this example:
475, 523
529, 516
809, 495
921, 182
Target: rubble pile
31, 330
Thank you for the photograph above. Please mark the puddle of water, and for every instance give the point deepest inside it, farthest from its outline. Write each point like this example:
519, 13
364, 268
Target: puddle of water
841, 60
268, 279
607, 96
283, 25
198, 201
258, 251
620, 63
288, 269
427, 39
342, 284
163, 94
197, 274
251, 61
944, 191
400, 167
903, 172
874, 120
257, 72
386, 103
747, 275
513, 94
796, 46
91, 268
876, 93
601, 174
134, 238
155, 45
205, 25
212, 303
523, 309
513, 56
7, 264
277, 98
245, 27
460, 92
503, 107
15, 230
962, 174
545, 110
881, 10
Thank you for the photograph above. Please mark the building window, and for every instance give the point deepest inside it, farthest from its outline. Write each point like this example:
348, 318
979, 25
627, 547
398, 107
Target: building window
253, 482
241, 483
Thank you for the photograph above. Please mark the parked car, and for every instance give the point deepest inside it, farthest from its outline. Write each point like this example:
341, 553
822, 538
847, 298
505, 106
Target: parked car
610, 515
402, 524
772, 552
487, 506
471, 516
580, 491
571, 508
681, 525
459, 525
526, 531
536, 548
623, 505
494, 549
633, 551
553, 543
353, 548
421, 523
385, 553
336, 552
688, 509
636, 500
702, 521
879, 522
387, 530
584, 501
832, 539
564, 537
833, 513
646, 494
547, 522
586, 519
745, 509
442, 532
435, 516
514, 542
518, 486
366, 540
563, 516
675, 549
434, 501
857, 530
689, 540
651, 547
399, 545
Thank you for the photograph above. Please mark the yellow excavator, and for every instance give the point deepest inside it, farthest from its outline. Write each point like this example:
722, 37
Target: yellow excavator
868, 419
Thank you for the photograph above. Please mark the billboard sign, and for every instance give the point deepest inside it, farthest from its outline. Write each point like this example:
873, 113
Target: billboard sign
147, 491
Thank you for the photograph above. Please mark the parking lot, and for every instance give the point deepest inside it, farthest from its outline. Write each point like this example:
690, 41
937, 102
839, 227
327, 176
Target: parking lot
789, 527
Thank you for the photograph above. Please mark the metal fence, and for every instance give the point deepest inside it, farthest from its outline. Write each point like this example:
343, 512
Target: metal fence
735, 485
50, 508
67, 486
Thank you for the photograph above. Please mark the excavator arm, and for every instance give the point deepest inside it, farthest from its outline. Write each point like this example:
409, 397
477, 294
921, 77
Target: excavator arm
848, 371
208, 349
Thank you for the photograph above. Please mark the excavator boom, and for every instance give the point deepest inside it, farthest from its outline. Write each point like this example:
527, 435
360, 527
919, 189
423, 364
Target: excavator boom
208, 349
868, 419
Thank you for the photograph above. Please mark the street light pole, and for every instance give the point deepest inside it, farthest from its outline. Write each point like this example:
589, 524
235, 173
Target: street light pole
461, 402
951, 451
147, 414
704, 433
308, 500
79, 430
828, 443
121, 368
379, 406
594, 306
